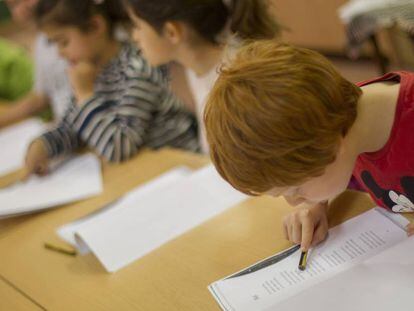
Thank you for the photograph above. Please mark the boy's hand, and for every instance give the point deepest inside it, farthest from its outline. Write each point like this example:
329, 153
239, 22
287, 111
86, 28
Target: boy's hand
410, 229
37, 159
307, 226
82, 77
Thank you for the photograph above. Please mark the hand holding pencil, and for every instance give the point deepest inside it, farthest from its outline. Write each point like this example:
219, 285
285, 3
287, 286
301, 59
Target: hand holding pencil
37, 159
307, 226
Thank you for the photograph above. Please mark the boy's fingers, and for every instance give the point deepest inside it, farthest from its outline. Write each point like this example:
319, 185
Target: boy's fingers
307, 234
320, 234
297, 233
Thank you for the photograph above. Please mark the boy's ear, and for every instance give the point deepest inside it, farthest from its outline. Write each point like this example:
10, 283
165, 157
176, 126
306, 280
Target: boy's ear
174, 32
98, 24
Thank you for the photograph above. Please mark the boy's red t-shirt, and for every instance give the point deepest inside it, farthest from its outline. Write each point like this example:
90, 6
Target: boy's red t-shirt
388, 174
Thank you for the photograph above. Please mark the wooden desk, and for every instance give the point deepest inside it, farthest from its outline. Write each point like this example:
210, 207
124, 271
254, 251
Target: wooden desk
12, 299
175, 276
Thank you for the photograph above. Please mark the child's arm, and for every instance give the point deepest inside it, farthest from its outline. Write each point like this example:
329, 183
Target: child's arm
26, 107
114, 129
61, 140
307, 226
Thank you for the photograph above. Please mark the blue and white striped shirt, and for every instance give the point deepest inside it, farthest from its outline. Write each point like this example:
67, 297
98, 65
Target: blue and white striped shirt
132, 107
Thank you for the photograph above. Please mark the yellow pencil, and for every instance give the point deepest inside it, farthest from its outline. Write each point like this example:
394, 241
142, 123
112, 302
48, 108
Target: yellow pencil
60, 249
303, 261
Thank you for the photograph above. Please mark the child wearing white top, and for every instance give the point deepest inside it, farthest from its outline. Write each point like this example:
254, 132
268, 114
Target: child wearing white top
194, 34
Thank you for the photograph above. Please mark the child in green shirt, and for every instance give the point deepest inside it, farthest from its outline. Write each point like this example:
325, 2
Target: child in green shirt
16, 72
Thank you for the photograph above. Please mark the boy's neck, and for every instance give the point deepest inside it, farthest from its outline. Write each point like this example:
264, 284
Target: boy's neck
375, 118
202, 59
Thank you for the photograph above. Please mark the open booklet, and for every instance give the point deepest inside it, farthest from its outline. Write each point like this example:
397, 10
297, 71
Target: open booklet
151, 215
76, 179
341, 273
14, 141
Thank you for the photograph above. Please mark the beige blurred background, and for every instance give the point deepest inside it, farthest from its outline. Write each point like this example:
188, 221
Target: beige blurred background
316, 24
313, 24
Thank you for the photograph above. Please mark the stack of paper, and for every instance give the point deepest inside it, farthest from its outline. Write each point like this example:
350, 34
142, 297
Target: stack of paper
356, 268
152, 215
78, 178
14, 141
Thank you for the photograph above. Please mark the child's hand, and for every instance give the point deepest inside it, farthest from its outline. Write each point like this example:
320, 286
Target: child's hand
307, 226
410, 229
37, 159
82, 77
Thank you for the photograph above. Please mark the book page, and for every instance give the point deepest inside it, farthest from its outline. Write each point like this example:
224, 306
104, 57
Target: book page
347, 245
77, 179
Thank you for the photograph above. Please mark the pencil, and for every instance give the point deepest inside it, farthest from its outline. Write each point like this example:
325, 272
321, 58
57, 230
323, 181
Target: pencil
302, 261
60, 249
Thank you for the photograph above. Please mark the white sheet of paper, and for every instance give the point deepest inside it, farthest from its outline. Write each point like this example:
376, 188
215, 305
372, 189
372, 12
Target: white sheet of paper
67, 232
137, 227
349, 244
77, 179
14, 141
382, 283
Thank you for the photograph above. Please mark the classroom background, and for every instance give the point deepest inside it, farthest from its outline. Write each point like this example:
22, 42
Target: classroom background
44, 265
376, 43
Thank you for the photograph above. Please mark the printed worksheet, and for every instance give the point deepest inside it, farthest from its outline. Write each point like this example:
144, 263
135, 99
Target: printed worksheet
348, 244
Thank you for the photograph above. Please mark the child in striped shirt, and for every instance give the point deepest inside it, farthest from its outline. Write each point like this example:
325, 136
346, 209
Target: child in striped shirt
120, 103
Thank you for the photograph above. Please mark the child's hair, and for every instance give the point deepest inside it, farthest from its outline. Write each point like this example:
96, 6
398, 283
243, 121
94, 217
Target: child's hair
276, 115
249, 19
78, 12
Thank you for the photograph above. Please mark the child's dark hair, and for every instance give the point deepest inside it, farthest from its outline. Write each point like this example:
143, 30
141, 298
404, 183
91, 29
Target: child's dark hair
249, 19
78, 12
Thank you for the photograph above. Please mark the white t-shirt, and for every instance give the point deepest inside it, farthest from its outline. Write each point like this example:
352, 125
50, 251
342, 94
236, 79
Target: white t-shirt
200, 88
51, 77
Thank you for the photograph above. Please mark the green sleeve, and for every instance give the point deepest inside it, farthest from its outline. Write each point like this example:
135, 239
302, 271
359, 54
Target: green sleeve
16, 72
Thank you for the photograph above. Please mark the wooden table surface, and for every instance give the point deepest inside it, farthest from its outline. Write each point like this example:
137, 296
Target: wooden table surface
11, 298
173, 277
